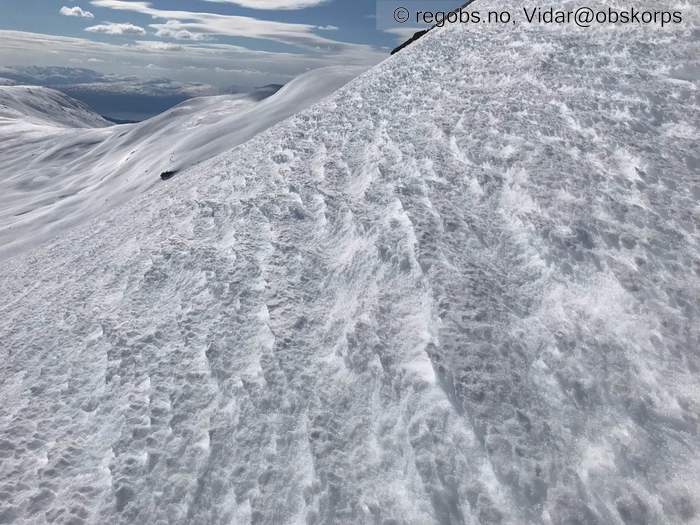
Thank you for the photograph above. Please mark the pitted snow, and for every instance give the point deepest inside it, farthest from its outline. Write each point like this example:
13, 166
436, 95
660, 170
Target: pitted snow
241, 346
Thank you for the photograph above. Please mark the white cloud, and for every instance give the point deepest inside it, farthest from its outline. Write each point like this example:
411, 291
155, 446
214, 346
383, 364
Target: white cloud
75, 11
110, 28
271, 4
214, 24
155, 45
173, 29
185, 61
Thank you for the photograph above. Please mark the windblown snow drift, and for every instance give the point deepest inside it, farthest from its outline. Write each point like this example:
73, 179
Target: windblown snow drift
56, 174
464, 289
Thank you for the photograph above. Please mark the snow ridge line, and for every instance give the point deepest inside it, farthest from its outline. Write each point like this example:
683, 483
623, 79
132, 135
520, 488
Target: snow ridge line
420, 34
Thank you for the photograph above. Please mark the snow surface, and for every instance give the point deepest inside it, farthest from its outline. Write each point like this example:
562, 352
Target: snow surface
463, 289
54, 176
39, 106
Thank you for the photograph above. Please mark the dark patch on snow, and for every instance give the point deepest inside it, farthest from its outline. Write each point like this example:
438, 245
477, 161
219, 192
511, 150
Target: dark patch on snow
416, 36
166, 175
420, 34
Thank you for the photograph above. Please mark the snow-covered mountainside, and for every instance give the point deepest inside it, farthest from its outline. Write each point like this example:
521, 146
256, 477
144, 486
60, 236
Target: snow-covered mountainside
33, 105
463, 289
53, 176
124, 98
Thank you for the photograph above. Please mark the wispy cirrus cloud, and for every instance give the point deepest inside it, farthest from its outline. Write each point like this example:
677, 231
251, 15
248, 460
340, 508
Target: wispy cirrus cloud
75, 11
212, 48
190, 23
271, 4
205, 61
111, 28
156, 45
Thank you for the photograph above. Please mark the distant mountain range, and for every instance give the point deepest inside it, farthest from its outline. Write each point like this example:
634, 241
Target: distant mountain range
120, 99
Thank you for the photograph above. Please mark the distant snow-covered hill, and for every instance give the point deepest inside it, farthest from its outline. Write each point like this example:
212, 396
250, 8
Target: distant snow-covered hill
61, 165
34, 105
125, 98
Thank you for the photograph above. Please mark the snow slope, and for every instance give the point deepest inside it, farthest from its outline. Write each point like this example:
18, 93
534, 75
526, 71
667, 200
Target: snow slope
32, 105
463, 289
54, 176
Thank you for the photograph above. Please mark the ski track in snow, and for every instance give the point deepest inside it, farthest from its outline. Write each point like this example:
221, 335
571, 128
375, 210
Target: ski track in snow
464, 289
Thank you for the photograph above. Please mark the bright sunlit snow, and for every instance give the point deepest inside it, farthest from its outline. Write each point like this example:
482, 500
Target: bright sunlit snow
461, 290
57, 173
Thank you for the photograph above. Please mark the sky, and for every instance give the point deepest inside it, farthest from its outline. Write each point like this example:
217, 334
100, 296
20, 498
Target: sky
218, 42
